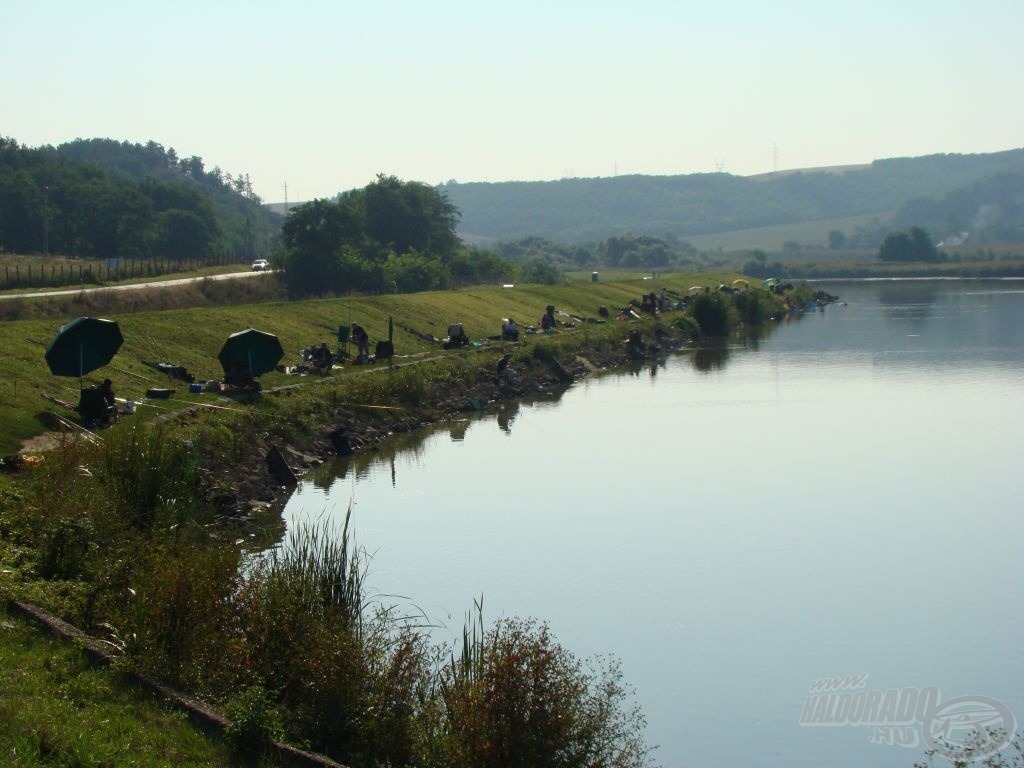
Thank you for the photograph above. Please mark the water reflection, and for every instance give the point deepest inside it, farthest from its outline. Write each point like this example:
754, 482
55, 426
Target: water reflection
710, 358
908, 304
734, 537
507, 412
457, 429
264, 528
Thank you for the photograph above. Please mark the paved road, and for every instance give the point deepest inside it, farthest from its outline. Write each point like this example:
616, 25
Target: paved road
130, 287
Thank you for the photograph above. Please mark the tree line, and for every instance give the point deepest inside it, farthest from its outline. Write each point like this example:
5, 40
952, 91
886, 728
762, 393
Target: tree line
101, 199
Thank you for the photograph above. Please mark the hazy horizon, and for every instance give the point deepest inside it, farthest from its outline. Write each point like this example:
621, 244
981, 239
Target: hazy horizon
323, 97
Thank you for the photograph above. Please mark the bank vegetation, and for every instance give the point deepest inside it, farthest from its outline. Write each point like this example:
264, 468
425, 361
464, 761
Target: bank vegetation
142, 538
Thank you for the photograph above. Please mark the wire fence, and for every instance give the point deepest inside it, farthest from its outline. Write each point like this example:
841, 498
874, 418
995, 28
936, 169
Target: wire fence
65, 273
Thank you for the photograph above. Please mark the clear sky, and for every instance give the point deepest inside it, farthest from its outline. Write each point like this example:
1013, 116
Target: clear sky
325, 95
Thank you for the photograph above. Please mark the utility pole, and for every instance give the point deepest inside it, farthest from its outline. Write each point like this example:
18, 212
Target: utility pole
286, 198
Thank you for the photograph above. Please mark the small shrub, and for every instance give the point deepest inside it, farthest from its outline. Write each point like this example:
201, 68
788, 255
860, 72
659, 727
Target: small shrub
150, 477
255, 721
754, 307
711, 313
178, 614
517, 698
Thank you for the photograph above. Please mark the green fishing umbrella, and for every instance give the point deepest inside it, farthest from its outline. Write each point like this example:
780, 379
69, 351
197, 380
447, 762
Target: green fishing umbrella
256, 351
82, 346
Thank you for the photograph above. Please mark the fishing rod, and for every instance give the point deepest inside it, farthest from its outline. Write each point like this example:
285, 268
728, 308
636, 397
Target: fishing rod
87, 434
132, 373
218, 407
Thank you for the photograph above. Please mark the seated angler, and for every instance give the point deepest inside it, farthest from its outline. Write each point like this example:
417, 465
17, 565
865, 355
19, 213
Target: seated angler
322, 358
509, 330
547, 322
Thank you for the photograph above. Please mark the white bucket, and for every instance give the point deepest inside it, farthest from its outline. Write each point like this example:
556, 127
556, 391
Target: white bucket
128, 407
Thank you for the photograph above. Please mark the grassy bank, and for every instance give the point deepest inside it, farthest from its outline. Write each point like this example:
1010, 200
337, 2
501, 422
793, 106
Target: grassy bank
128, 537
192, 337
57, 710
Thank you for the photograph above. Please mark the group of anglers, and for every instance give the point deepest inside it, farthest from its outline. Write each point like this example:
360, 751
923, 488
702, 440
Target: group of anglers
98, 405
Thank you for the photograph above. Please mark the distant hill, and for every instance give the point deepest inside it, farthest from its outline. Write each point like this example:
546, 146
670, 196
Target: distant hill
699, 205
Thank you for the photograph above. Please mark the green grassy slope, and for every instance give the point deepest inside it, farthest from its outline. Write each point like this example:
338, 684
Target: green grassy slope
57, 710
193, 338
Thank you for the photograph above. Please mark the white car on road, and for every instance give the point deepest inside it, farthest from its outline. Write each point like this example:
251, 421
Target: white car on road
260, 265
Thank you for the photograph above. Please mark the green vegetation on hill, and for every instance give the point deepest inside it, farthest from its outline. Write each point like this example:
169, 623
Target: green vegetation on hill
587, 210
101, 198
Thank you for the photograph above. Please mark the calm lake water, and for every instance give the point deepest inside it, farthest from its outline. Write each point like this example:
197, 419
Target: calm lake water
845, 499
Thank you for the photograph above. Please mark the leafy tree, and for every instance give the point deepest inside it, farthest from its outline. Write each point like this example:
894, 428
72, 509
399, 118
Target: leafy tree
540, 271
411, 272
323, 226
390, 235
100, 198
409, 216
836, 239
471, 266
913, 246
897, 246
924, 248
634, 251
184, 234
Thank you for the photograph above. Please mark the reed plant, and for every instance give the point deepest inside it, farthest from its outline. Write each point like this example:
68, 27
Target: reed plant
149, 476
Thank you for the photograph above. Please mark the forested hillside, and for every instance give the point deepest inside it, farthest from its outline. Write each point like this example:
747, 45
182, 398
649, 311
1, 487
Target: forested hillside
588, 210
100, 198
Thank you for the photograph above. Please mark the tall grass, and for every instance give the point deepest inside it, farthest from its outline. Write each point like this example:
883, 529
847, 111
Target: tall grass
151, 476
325, 568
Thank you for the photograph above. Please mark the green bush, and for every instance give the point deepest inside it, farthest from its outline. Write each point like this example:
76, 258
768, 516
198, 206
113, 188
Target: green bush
149, 477
176, 621
754, 307
710, 311
255, 721
516, 697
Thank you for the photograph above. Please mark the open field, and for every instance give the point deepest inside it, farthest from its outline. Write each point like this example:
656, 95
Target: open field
770, 239
193, 338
